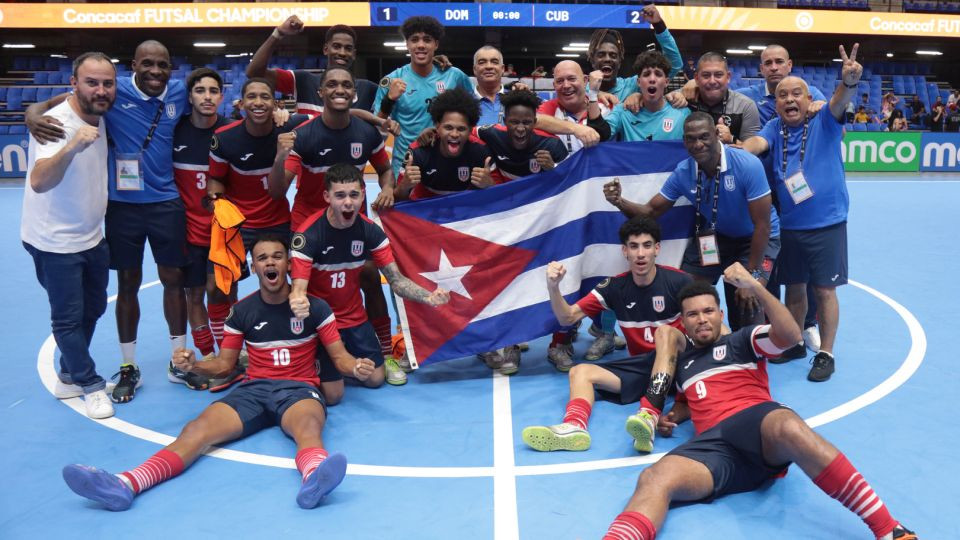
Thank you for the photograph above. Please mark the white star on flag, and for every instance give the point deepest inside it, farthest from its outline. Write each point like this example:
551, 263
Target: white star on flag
449, 277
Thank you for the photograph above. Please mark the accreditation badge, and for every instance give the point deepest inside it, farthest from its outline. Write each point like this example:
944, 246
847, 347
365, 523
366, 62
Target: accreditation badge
129, 172
798, 187
709, 252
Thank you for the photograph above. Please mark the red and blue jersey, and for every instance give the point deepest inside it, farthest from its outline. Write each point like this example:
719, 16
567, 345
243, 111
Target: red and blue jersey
191, 167
441, 175
304, 86
515, 163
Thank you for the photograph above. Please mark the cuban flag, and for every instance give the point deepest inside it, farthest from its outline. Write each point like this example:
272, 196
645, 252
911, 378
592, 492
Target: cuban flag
490, 247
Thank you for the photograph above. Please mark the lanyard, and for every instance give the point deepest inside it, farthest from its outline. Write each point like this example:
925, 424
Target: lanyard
803, 146
716, 196
153, 128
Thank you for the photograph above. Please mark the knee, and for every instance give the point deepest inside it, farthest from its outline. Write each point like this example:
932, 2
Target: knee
375, 380
170, 277
824, 294
652, 479
128, 282
196, 296
788, 429
332, 395
193, 433
582, 373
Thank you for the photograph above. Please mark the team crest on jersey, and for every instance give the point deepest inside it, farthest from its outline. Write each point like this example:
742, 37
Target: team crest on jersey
729, 183
440, 87
171, 110
659, 304
719, 352
356, 248
355, 150
534, 166
667, 125
296, 325
463, 173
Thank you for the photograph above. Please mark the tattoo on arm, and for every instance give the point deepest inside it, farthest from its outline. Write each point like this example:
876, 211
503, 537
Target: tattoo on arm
402, 285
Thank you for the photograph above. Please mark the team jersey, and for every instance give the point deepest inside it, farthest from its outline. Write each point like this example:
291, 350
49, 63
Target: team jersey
317, 148
727, 377
742, 181
243, 162
280, 345
128, 123
822, 168
623, 87
440, 175
552, 107
410, 110
304, 86
738, 111
767, 102
663, 125
639, 310
331, 259
191, 165
513, 163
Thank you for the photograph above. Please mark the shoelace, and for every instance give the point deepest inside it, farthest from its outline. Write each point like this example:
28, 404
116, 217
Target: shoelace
819, 361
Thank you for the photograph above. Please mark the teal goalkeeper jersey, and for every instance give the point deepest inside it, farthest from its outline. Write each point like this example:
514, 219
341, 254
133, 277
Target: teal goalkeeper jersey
663, 125
410, 111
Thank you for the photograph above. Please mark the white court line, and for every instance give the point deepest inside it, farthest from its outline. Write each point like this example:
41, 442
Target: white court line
505, 470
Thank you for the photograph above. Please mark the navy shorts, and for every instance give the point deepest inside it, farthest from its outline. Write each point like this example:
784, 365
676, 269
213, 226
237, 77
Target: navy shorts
731, 250
325, 368
634, 375
262, 402
250, 236
362, 342
817, 257
733, 451
196, 270
130, 225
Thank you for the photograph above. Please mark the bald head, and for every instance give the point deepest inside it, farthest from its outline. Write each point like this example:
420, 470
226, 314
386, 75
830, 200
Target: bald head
775, 64
151, 67
151, 46
570, 86
567, 66
791, 81
793, 100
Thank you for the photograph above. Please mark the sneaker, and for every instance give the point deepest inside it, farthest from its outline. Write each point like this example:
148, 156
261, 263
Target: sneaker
559, 437
63, 390
822, 367
600, 346
511, 360
811, 338
492, 359
127, 385
193, 381
98, 405
899, 533
322, 481
524, 346
793, 353
642, 427
561, 356
404, 363
395, 375
98, 485
618, 342
220, 384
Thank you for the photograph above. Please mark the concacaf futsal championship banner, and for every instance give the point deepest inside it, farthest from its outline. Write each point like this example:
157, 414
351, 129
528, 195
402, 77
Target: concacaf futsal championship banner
226, 15
490, 247
901, 152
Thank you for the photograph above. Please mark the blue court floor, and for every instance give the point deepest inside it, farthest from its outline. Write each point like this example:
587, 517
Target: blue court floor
442, 457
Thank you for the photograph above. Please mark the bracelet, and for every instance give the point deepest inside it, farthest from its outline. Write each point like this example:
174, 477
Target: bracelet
757, 274
386, 105
854, 85
277, 35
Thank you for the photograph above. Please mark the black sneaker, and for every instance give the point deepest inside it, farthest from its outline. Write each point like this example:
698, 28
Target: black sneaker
793, 353
193, 381
127, 385
899, 533
822, 367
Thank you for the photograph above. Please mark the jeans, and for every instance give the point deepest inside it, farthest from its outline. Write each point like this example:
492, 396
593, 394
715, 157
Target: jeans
76, 285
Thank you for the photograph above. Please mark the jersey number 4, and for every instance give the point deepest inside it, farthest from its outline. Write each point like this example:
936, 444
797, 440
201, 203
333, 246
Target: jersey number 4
281, 357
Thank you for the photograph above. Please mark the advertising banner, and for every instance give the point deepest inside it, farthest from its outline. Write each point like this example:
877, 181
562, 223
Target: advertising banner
940, 152
13, 156
881, 152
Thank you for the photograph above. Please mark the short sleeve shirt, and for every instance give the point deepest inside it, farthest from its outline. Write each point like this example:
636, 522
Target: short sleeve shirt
663, 125
304, 86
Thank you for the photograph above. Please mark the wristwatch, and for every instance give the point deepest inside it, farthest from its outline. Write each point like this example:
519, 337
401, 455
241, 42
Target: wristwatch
757, 274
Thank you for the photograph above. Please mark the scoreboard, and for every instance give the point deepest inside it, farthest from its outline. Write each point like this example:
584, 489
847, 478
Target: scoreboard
517, 15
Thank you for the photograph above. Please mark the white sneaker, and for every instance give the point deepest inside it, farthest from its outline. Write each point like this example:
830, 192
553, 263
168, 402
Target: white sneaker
811, 338
98, 405
63, 390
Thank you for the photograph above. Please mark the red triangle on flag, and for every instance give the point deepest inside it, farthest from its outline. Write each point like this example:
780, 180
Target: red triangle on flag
487, 268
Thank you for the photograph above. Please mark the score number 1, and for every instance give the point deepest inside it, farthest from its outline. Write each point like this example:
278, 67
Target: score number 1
387, 14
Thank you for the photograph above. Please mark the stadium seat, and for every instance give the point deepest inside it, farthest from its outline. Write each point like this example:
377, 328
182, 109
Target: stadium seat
29, 95
873, 127
3, 93
14, 98
4, 129
18, 128
41, 77
44, 93
859, 127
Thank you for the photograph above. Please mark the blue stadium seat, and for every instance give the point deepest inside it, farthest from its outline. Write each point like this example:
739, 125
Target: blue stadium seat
15, 98
44, 93
18, 128
3, 93
41, 77
35, 63
859, 127
873, 127
29, 95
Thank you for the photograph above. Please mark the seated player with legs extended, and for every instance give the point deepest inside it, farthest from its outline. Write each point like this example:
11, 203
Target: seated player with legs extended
643, 300
280, 389
329, 250
743, 438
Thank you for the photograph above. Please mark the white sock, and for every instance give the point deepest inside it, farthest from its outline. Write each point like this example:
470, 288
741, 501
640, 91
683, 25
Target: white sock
128, 351
178, 342
125, 480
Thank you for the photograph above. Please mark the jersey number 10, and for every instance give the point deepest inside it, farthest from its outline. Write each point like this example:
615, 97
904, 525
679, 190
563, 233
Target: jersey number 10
281, 357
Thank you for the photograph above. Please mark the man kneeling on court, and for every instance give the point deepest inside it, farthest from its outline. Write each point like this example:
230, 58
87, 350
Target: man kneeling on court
744, 438
643, 300
281, 388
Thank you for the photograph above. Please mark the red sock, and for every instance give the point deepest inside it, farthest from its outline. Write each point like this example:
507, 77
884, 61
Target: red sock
203, 339
309, 459
844, 483
381, 325
578, 412
631, 526
161, 466
560, 338
218, 313
645, 404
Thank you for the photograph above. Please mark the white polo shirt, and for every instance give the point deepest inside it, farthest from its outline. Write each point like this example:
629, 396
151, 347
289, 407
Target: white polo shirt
69, 217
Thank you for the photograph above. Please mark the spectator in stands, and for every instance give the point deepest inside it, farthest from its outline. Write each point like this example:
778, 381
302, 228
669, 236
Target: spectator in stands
952, 100
952, 120
916, 104
539, 72
896, 122
936, 115
690, 69
850, 112
887, 106
861, 117
509, 72
919, 116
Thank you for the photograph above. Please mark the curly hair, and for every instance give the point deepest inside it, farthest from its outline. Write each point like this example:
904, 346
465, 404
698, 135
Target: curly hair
639, 225
455, 100
651, 59
522, 98
422, 23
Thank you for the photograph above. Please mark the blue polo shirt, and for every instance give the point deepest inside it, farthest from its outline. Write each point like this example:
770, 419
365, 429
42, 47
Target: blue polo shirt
491, 112
742, 180
822, 168
128, 123
767, 103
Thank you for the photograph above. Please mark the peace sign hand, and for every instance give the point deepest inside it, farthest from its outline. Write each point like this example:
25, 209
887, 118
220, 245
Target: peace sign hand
852, 70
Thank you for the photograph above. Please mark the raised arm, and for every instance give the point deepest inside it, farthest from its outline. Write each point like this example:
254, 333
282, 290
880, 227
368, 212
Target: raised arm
565, 313
261, 59
850, 75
